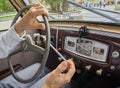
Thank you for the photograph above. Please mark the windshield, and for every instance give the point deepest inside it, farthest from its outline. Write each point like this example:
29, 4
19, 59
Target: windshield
67, 10
87, 10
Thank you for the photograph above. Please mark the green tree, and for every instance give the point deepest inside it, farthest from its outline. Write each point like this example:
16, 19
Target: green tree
55, 5
65, 5
58, 5
5, 6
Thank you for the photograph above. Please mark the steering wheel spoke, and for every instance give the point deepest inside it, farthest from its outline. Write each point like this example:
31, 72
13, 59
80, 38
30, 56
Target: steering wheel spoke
37, 49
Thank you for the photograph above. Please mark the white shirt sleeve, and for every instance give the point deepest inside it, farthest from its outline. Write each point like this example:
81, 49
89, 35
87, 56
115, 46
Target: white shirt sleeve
8, 41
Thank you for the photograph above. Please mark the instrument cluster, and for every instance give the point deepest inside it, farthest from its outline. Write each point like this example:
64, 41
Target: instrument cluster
97, 52
91, 49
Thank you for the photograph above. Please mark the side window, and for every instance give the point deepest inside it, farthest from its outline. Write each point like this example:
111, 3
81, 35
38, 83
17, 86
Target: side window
7, 13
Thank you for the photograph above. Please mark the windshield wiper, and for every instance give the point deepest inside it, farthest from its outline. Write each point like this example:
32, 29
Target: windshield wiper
115, 12
94, 11
52, 17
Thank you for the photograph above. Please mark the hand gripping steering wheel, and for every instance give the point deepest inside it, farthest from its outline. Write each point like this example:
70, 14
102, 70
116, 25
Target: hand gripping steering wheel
28, 45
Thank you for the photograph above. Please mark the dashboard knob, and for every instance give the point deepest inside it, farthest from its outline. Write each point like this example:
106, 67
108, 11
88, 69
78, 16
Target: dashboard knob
115, 54
99, 72
60, 59
78, 71
88, 68
112, 67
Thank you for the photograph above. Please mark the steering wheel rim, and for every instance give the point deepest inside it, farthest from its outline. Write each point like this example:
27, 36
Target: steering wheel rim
32, 47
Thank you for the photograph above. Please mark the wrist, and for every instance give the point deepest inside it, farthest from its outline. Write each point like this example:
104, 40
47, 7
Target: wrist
18, 29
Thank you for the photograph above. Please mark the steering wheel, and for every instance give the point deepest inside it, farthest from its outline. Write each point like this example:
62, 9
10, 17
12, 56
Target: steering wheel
28, 45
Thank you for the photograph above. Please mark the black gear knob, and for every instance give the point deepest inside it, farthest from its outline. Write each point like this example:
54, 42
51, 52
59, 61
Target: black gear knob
83, 31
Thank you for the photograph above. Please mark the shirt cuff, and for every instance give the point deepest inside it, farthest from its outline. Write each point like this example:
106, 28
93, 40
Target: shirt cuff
12, 36
9, 40
16, 35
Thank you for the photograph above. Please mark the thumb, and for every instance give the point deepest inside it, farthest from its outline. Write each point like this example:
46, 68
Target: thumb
61, 67
40, 26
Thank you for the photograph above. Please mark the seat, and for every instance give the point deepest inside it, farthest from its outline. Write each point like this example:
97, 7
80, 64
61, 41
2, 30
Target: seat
10, 82
6, 72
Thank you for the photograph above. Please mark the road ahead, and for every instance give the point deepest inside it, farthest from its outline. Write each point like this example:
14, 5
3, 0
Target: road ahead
86, 15
5, 24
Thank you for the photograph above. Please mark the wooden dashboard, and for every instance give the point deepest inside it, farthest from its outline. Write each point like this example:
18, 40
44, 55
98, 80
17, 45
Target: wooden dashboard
101, 33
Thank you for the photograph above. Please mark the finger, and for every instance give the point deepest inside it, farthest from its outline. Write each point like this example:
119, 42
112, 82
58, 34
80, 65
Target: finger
37, 5
71, 70
61, 67
39, 9
42, 12
33, 5
41, 26
33, 12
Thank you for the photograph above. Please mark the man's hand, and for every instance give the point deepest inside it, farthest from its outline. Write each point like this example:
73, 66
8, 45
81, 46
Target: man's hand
57, 78
29, 22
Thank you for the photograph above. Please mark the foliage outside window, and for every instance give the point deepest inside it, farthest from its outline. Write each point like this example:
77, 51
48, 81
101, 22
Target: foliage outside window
5, 6
119, 2
58, 6
6, 10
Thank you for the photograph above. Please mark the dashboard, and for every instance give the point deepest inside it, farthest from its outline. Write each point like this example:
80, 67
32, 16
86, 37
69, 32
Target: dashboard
97, 52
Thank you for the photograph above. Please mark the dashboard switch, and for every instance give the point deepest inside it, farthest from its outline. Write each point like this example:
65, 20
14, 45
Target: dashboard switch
60, 59
88, 68
99, 72
112, 67
115, 54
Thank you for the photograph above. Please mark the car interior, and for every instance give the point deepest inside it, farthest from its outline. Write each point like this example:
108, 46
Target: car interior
93, 46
